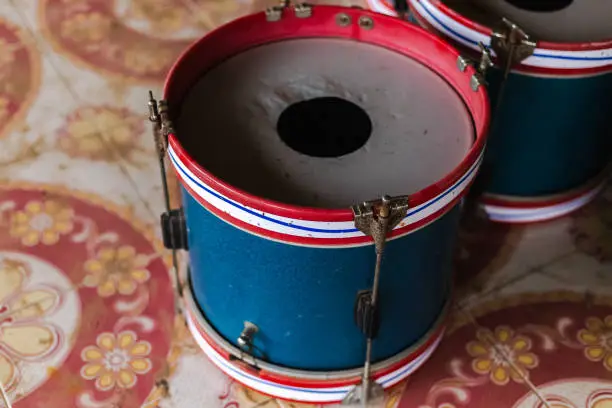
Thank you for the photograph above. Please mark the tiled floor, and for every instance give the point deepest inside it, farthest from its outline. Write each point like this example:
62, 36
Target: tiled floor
86, 309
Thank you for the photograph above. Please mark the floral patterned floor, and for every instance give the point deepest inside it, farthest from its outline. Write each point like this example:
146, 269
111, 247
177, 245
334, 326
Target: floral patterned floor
86, 310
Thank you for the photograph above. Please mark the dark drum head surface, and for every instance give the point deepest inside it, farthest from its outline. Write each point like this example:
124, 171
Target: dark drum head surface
324, 123
563, 21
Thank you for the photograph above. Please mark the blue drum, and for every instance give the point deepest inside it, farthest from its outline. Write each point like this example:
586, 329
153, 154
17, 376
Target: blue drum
286, 128
550, 143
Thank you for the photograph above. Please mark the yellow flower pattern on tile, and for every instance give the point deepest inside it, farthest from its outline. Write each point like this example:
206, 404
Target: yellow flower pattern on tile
23, 333
597, 339
603, 402
146, 61
394, 395
170, 17
41, 222
509, 358
87, 28
116, 270
100, 133
116, 361
162, 16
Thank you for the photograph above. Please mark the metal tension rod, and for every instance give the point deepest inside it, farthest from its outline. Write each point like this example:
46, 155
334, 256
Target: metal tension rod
161, 127
375, 219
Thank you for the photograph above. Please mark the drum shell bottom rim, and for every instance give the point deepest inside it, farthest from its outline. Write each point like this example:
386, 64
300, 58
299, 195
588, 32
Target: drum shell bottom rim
303, 386
525, 210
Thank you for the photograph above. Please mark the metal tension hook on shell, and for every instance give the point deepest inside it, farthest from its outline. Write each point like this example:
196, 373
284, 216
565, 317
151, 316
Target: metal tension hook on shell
275, 13
376, 218
485, 62
486, 59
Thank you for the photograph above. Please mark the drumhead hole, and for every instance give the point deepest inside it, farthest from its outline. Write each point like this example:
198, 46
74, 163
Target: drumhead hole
541, 5
324, 127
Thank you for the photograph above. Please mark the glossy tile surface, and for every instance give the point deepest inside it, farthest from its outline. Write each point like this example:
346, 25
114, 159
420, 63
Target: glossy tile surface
87, 313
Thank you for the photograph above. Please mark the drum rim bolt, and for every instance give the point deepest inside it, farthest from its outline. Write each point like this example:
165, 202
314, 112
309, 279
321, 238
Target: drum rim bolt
274, 14
245, 340
475, 82
462, 63
302, 10
343, 19
366, 22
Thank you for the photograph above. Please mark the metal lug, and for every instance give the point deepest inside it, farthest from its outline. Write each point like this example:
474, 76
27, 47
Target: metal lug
247, 337
484, 63
153, 112
166, 123
486, 59
366, 314
368, 215
373, 395
274, 13
476, 81
462, 63
174, 229
302, 10
511, 44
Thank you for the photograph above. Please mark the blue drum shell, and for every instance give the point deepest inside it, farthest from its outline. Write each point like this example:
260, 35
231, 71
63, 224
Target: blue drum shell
551, 127
549, 135
302, 298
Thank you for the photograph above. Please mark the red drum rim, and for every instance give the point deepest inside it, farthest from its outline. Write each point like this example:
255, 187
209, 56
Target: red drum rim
245, 33
322, 387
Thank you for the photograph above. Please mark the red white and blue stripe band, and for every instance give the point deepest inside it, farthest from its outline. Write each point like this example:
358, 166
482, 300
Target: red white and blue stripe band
310, 387
569, 58
303, 231
516, 211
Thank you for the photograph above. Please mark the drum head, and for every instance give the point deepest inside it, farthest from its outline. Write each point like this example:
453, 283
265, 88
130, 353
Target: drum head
564, 21
324, 123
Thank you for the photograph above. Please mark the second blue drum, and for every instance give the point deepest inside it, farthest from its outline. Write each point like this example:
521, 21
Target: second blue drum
550, 145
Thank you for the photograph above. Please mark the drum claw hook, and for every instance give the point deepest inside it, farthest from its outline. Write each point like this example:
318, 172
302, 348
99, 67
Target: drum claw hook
376, 219
512, 45
371, 395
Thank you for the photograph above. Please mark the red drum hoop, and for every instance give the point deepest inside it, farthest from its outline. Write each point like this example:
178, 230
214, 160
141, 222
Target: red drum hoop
388, 32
